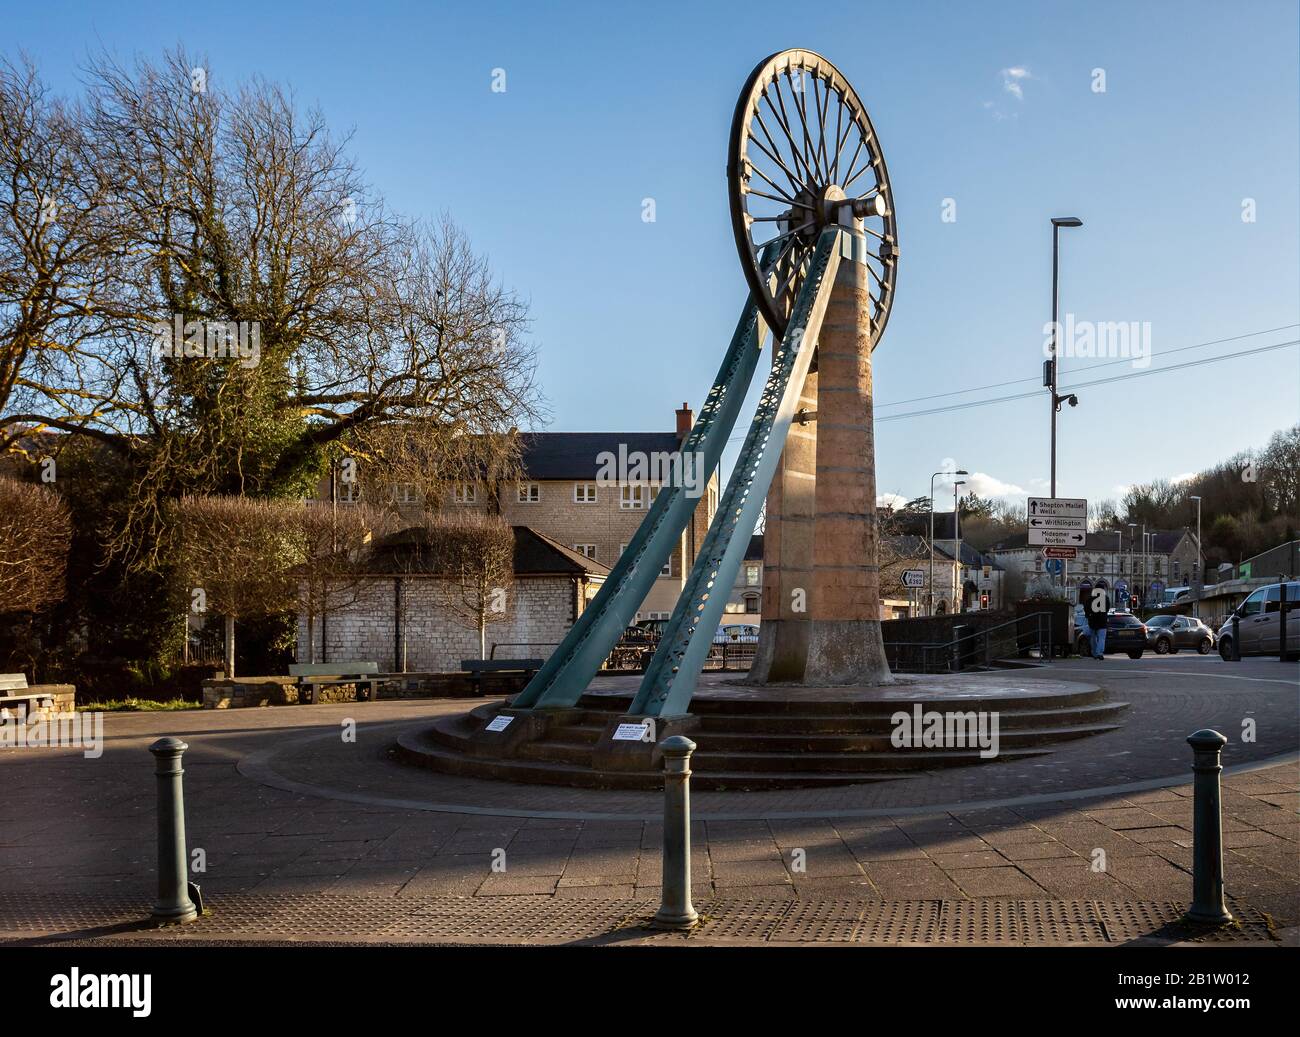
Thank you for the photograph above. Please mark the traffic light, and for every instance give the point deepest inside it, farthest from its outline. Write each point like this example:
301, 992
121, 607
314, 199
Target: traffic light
984, 600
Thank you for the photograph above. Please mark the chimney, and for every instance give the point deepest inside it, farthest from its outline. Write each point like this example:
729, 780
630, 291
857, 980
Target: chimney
685, 419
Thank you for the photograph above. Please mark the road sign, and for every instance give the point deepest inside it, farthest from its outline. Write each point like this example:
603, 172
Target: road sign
1121, 586
1055, 566
1058, 522
1060, 552
1057, 538
913, 577
1058, 508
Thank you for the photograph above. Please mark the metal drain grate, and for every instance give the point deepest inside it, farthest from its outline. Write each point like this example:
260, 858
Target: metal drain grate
1017, 922
540, 919
1163, 921
67, 912
909, 921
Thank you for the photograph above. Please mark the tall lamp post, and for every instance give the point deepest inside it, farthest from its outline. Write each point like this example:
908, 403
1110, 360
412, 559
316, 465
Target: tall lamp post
1200, 563
956, 539
1132, 568
1057, 223
959, 471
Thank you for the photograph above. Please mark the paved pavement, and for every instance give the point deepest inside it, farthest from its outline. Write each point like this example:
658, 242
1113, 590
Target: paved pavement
281, 806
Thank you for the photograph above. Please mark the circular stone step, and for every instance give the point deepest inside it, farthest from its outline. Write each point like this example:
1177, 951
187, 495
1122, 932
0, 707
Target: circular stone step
752, 737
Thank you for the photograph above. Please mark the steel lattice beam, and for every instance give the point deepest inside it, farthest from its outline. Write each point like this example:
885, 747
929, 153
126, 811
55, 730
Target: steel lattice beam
669, 683
571, 667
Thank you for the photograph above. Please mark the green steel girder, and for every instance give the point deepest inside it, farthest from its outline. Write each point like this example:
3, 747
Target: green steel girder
564, 677
669, 682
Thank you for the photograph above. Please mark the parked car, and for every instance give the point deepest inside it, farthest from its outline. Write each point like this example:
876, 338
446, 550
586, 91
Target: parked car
744, 633
1167, 634
1258, 623
634, 650
1124, 633
654, 627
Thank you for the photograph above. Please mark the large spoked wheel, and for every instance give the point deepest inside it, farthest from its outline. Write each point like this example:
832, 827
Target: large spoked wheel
802, 151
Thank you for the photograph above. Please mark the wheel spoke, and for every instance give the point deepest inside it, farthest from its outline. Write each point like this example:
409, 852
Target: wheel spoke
775, 153
769, 154
784, 120
801, 105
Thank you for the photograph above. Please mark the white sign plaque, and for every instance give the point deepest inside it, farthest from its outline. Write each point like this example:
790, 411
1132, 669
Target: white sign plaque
913, 577
1057, 538
1058, 508
499, 723
630, 732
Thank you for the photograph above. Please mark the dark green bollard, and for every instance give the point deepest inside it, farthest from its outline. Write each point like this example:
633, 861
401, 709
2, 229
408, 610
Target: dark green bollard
1207, 830
675, 908
174, 903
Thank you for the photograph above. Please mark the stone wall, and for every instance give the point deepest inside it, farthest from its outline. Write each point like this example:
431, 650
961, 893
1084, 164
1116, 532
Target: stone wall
539, 612
283, 691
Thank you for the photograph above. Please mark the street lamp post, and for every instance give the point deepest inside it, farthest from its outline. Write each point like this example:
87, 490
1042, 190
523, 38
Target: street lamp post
956, 539
1132, 536
960, 471
1200, 563
1057, 223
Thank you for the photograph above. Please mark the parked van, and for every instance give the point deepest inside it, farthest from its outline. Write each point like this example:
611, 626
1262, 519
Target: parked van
1258, 624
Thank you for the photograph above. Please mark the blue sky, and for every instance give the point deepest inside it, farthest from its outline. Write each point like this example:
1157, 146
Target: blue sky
608, 104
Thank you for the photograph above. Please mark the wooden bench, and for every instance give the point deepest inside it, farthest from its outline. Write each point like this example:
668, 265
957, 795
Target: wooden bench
476, 668
316, 675
12, 689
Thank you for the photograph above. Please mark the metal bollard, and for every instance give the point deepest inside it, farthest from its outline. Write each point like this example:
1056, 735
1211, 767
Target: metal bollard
174, 903
1207, 830
1236, 639
675, 908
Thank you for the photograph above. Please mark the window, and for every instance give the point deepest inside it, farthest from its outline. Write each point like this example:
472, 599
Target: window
529, 493
751, 603
667, 570
753, 573
348, 492
1252, 605
464, 493
584, 493
586, 550
713, 502
632, 497
404, 493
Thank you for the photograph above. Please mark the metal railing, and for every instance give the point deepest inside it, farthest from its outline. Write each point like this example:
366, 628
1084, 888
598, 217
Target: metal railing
1033, 634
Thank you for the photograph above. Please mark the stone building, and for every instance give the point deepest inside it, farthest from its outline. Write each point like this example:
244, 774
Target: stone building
1114, 555
401, 618
589, 491
745, 602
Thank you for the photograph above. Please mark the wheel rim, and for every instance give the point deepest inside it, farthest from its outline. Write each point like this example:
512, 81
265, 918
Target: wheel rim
802, 146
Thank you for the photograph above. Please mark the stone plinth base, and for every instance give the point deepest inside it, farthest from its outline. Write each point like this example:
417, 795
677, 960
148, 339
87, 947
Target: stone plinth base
846, 651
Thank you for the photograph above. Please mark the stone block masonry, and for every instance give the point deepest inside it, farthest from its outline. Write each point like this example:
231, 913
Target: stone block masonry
422, 631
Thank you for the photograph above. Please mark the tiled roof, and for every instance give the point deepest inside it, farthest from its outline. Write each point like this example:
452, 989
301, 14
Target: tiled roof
535, 554
573, 455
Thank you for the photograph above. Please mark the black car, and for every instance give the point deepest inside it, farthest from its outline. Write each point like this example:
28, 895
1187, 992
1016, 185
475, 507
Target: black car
1167, 634
1124, 633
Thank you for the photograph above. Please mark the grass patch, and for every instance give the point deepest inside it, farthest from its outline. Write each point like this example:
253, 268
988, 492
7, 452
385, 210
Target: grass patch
138, 706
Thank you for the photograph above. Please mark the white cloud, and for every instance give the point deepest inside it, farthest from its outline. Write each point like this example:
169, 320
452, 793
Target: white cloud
890, 500
1012, 78
988, 486
1185, 477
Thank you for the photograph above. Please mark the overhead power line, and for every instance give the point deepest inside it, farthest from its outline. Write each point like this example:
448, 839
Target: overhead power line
1096, 381
1108, 363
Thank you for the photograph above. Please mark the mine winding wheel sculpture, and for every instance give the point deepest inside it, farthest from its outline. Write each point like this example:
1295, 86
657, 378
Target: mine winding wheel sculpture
808, 187
802, 153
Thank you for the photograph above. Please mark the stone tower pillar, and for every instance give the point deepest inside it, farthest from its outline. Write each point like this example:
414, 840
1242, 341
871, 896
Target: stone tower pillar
788, 553
844, 640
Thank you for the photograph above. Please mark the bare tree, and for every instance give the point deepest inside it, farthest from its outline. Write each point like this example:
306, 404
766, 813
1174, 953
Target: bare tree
332, 543
385, 338
35, 533
238, 557
476, 556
